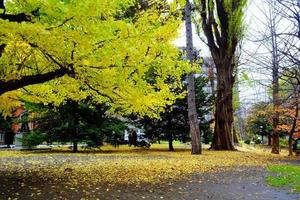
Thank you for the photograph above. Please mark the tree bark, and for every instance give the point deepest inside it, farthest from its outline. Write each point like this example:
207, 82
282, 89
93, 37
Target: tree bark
192, 111
276, 104
269, 140
235, 136
170, 139
75, 125
222, 139
2, 4
292, 131
6, 86
75, 146
275, 88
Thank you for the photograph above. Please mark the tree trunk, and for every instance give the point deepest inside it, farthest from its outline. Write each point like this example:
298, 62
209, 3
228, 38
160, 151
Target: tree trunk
220, 32
170, 139
276, 104
222, 139
75, 125
290, 144
275, 82
293, 128
269, 140
275, 143
75, 146
192, 112
235, 137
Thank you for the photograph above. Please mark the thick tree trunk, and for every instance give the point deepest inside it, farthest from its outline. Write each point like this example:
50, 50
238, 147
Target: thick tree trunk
222, 139
192, 112
275, 143
170, 139
222, 42
235, 136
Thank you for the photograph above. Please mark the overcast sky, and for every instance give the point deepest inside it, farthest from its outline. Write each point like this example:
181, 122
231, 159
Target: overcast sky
254, 23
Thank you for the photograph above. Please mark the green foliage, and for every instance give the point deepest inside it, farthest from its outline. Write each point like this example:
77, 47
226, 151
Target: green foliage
175, 119
247, 141
283, 143
75, 122
5, 123
287, 176
236, 13
230, 15
32, 139
259, 121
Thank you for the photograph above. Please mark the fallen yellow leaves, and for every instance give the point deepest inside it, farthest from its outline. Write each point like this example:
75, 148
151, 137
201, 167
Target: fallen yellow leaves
125, 165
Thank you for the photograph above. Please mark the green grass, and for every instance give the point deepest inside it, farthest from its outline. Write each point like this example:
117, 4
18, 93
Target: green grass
287, 176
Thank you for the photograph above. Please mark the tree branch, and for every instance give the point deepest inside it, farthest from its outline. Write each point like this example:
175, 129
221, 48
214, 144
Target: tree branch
6, 86
21, 17
207, 28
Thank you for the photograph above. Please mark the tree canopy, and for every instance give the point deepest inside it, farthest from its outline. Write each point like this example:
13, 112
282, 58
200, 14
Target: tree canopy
94, 48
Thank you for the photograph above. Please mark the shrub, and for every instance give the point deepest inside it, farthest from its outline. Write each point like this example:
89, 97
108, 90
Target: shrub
32, 139
247, 141
283, 143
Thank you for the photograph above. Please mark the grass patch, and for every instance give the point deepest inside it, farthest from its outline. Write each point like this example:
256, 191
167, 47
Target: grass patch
287, 176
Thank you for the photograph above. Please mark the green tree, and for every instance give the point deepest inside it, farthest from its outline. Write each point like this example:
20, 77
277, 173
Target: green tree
174, 121
259, 121
74, 122
5, 128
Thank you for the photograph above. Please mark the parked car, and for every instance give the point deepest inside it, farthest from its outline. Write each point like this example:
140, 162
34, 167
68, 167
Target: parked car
142, 141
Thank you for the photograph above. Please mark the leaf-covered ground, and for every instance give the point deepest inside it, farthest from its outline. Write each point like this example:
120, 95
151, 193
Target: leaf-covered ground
58, 173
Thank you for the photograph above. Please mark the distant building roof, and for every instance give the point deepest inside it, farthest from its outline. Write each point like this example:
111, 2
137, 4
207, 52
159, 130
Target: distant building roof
296, 135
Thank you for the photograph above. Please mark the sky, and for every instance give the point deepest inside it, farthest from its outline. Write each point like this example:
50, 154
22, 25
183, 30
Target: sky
253, 91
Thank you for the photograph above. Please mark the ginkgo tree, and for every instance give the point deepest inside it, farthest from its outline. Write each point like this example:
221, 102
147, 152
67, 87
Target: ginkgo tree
223, 27
117, 51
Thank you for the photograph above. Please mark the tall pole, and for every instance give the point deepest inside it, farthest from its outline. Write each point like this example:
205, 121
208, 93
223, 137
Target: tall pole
192, 111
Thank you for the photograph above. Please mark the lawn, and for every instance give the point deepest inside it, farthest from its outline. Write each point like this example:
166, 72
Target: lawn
287, 176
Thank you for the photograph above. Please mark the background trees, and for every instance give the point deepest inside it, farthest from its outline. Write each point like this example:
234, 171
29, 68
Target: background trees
174, 122
276, 53
74, 122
